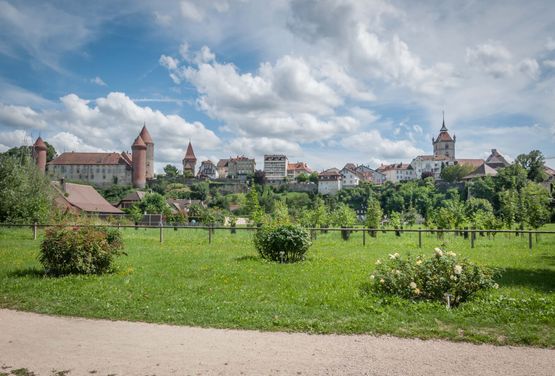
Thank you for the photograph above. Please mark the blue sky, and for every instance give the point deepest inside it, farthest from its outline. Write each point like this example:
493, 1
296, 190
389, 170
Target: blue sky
327, 82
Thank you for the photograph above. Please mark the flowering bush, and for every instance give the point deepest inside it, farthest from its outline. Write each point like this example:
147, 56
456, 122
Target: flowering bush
283, 243
432, 278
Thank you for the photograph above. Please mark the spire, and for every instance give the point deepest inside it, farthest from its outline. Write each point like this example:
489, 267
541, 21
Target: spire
138, 143
443, 127
39, 144
190, 154
145, 135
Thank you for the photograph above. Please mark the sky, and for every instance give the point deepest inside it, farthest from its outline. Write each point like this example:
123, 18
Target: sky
326, 82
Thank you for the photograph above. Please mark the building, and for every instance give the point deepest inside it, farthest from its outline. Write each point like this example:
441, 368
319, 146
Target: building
349, 176
207, 170
496, 160
275, 166
101, 169
79, 199
241, 167
131, 199
370, 175
483, 170
397, 172
189, 161
222, 168
443, 144
429, 165
296, 169
329, 181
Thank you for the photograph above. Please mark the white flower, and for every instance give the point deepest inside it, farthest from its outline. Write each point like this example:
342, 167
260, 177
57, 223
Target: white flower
372, 277
417, 291
418, 262
382, 281
439, 252
412, 285
457, 269
378, 262
393, 256
452, 254
495, 286
398, 272
453, 278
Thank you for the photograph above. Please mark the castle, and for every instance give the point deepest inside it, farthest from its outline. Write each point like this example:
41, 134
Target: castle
102, 169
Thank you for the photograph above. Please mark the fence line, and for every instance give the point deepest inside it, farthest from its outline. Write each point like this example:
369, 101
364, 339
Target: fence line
466, 233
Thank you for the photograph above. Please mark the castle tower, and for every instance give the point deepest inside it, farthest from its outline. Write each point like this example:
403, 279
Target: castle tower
39, 154
149, 152
444, 145
190, 161
139, 163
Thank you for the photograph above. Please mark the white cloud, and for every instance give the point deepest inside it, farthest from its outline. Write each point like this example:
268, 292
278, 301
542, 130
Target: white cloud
191, 12
14, 138
20, 117
549, 63
375, 146
530, 68
492, 57
263, 145
168, 62
98, 81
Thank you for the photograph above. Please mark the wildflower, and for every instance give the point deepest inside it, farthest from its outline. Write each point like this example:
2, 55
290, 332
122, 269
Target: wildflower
372, 277
452, 254
412, 285
394, 256
457, 269
453, 278
416, 291
418, 262
495, 286
439, 252
378, 262
398, 272
382, 281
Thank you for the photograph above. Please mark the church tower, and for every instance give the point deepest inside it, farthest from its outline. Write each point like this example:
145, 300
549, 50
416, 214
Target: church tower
444, 145
149, 152
190, 161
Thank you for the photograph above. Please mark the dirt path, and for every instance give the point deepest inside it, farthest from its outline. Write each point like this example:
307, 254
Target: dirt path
42, 344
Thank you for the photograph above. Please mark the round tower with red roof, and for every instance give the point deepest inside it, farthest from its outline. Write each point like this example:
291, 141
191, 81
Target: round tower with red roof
149, 152
39, 154
139, 150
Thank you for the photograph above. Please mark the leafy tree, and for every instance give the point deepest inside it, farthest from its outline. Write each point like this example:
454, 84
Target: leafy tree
25, 193
252, 206
171, 171
535, 204
115, 193
177, 191
511, 177
200, 191
509, 203
22, 152
534, 164
281, 213
374, 215
154, 203
395, 222
474, 205
456, 172
313, 178
343, 216
259, 177
302, 177
409, 216
196, 212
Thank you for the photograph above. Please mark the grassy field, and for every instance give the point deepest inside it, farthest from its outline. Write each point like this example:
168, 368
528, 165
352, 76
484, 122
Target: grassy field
224, 284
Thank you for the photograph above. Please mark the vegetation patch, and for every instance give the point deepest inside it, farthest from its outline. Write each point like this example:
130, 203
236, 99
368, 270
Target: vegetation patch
283, 243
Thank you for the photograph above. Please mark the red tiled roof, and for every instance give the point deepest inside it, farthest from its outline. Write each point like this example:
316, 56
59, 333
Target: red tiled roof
298, 166
39, 144
86, 198
190, 154
145, 135
444, 136
394, 166
73, 158
138, 143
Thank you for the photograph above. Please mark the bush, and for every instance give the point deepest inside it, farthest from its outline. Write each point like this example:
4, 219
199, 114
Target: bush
79, 250
431, 279
283, 243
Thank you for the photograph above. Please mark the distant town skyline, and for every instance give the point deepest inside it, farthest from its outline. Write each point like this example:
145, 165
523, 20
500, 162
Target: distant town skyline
326, 82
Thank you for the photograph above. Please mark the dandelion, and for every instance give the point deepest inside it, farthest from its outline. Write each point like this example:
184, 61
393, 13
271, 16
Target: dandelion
457, 269
412, 285
378, 262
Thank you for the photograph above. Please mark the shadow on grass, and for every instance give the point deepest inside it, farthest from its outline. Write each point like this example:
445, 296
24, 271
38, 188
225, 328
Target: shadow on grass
247, 258
33, 272
538, 279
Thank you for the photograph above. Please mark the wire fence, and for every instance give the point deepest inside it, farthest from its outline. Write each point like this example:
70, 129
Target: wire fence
466, 233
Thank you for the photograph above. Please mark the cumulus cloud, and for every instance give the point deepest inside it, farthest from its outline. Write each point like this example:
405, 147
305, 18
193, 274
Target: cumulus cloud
98, 81
263, 145
378, 148
14, 138
530, 68
20, 117
191, 12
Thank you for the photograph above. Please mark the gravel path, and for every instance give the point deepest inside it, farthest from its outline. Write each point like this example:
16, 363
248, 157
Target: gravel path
42, 344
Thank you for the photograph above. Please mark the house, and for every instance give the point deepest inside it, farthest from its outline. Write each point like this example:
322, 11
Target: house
369, 175
222, 168
397, 172
483, 170
496, 160
349, 176
296, 169
182, 205
130, 199
329, 181
82, 199
241, 167
275, 166
207, 170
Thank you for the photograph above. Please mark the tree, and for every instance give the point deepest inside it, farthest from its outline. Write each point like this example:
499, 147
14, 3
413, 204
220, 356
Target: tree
455, 173
171, 171
535, 204
281, 213
25, 193
259, 177
154, 203
534, 164
21, 152
313, 178
252, 206
374, 215
508, 206
302, 177
511, 177
200, 191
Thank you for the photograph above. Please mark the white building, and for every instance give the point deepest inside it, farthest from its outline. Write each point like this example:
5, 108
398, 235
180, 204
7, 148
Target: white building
349, 176
208, 170
275, 166
397, 172
329, 181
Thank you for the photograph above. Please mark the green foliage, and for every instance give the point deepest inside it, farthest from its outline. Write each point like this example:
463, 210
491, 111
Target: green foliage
177, 191
171, 171
200, 191
302, 177
313, 177
343, 216
25, 193
25, 152
281, 213
374, 213
153, 203
455, 173
535, 205
511, 177
282, 243
115, 193
431, 278
534, 164
508, 202
81, 250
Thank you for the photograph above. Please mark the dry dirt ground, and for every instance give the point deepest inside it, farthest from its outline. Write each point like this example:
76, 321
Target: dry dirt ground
49, 345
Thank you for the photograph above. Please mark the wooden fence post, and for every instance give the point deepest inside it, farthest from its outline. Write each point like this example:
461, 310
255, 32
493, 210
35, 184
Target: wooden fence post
35, 231
472, 237
363, 237
209, 235
530, 239
161, 232
419, 237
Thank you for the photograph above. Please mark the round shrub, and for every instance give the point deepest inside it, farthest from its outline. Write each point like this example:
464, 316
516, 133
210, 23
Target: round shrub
436, 278
283, 243
79, 250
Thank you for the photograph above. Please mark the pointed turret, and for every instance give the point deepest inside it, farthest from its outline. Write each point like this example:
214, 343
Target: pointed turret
149, 152
39, 153
444, 145
190, 161
139, 162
